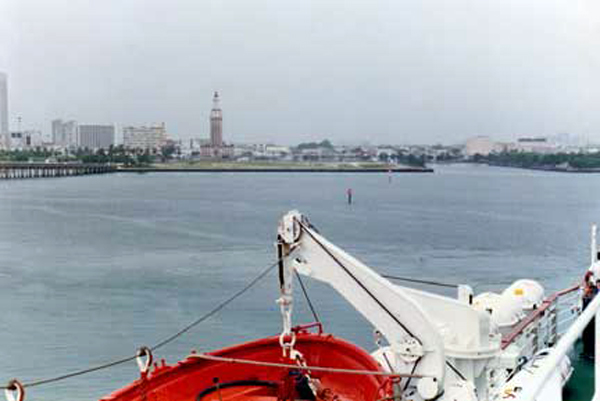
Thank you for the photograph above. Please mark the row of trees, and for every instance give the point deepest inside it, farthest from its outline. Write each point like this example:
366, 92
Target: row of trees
114, 154
408, 159
315, 145
538, 160
26, 155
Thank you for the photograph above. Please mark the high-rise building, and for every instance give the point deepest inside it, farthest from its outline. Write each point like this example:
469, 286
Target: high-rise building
71, 133
4, 132
57, 132
65, 133
95, 136
145, 137
216, 123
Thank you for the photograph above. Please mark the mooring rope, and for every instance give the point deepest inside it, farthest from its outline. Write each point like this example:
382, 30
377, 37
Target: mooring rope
299, 367
217, 308
164, 342
214, 311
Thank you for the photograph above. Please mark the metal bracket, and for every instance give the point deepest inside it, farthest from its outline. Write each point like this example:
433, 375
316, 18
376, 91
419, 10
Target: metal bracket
144, 364
409, 350
14, 391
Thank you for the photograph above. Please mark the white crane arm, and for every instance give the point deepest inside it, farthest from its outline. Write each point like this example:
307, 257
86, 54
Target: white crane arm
410, 332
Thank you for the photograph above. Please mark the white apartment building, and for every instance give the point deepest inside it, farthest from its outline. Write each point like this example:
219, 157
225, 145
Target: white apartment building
145, 137
95, 136
536, 145
481, 145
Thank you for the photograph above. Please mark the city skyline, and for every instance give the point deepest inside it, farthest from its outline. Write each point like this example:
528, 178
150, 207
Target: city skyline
215, 130
386, 73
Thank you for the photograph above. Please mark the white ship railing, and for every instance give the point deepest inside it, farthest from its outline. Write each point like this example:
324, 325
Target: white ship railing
558, 353
546, 324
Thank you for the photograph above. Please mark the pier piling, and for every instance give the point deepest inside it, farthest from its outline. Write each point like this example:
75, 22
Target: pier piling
20, 170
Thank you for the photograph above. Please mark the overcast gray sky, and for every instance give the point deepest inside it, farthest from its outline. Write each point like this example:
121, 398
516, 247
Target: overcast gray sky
398, 71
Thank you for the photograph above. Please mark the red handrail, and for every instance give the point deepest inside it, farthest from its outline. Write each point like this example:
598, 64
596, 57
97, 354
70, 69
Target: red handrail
303, 328
520, 328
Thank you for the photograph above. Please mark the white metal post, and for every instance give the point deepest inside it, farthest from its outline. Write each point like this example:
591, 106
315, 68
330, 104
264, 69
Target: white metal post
594, 247
597, 356
561, 349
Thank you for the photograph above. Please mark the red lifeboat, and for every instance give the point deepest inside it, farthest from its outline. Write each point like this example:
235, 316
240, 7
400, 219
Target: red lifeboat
257, 371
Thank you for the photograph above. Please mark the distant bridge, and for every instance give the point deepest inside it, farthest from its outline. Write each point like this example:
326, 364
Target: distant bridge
16, 170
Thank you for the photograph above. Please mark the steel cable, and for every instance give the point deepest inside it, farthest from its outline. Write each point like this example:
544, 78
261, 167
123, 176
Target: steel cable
164, 342
308, 300
418, 281
299, 367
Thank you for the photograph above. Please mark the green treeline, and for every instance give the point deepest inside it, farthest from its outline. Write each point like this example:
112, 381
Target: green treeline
315, 145
38, 154
409, 159
539, 160
114, 154
141, 158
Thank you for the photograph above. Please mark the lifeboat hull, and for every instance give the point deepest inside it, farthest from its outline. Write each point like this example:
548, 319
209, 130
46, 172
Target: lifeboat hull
199, 379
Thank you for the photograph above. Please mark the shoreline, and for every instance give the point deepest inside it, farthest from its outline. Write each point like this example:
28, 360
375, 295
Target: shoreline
142, 170
552, 169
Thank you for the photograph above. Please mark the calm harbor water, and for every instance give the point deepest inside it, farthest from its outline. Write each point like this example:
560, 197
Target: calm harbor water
93, 267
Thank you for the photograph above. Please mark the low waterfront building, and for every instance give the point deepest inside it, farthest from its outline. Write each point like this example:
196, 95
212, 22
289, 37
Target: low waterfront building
320, 154
536, 145
96, 136
483, 145
27, 139
385, 153
266, 151
145, 137
208, 151
480, 145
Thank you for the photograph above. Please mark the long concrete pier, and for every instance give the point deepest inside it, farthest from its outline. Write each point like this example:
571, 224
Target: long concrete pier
19, 170
273, 170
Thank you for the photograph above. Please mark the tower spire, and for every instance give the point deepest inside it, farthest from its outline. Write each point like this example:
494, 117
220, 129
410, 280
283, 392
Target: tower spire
216, 101
216, 123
